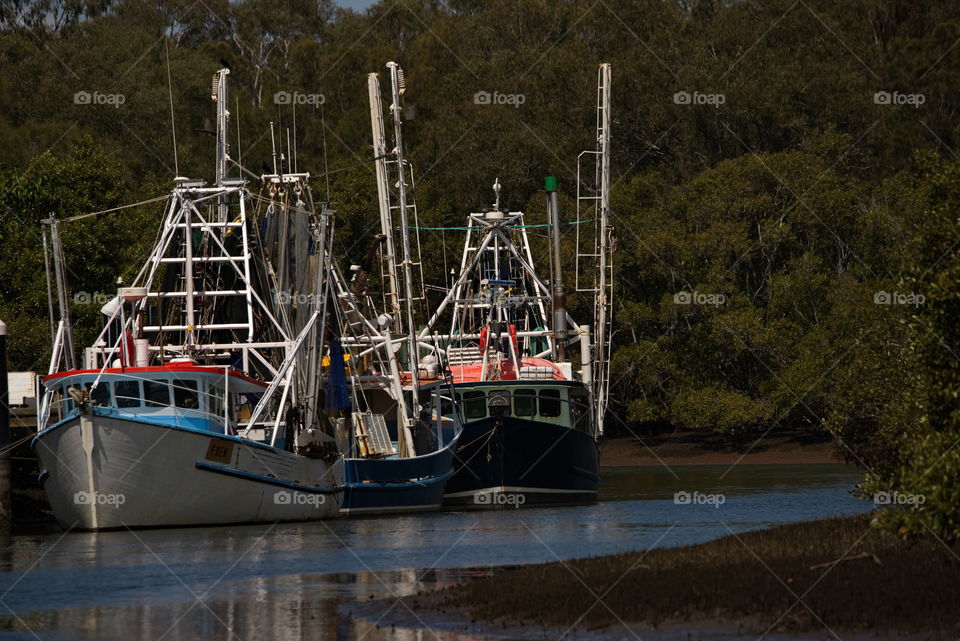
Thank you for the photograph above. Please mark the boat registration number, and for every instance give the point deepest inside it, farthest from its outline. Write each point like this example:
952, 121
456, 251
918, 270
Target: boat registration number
220, 451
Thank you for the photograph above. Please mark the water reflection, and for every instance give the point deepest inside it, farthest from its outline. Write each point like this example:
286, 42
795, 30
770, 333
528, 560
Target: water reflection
293, 581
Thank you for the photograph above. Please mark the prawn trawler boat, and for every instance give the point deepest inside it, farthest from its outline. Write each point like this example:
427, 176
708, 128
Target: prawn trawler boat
531, 419
157, 446
401, 467
170, 419
529, 425
400, 439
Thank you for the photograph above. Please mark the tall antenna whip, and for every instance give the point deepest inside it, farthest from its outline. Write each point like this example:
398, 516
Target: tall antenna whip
323, 130
173, 124
273, 147
239, 152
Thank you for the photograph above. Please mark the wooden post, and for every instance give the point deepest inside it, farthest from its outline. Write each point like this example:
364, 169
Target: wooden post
6, 512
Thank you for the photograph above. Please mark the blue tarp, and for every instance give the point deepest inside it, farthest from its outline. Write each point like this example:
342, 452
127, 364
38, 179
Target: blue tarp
338, 394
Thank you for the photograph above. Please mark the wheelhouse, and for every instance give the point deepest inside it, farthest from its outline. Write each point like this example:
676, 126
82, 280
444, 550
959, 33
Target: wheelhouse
193, 397
560, 402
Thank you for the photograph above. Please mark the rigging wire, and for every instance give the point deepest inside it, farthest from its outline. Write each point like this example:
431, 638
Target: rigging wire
173, 123
323, 133
112, 209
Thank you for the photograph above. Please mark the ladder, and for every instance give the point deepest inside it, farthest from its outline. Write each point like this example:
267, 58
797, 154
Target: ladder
594, 261
185, 225
396, 189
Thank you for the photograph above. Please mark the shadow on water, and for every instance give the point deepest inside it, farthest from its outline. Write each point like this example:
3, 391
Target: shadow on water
295, 581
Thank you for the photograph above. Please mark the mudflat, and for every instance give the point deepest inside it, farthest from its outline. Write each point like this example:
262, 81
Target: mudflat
690, 447
829, 577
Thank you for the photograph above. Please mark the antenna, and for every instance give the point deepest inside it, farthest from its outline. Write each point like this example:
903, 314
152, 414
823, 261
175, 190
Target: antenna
273, 147
173, 123
289, 154
294, 151
221, 97
239, 152
323, 133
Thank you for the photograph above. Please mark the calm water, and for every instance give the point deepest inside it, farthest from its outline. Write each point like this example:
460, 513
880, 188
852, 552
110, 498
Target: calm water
293, 581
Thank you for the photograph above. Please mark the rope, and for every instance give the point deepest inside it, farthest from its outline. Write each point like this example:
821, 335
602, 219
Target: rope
488, 435
580, 222
12, 446
107, 211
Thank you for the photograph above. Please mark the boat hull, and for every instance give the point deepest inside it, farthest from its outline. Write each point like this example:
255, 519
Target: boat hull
389, 486
104, 472
518, 462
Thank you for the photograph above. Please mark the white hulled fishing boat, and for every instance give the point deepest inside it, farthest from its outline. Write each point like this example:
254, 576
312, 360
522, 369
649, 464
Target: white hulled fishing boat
171, 418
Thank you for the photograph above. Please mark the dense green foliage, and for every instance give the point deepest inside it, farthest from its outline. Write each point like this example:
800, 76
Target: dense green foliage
774, 242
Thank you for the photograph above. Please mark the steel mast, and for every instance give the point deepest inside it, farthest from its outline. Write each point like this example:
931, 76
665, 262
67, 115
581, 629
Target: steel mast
603, 319
383, 194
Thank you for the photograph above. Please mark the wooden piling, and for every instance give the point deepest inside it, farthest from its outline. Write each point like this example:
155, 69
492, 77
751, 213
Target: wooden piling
6, 512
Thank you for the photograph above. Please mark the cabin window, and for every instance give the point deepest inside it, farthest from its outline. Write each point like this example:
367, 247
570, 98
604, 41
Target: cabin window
474, 405
157, 393
127, 393
215, 401
68, 405
185, 394
580, 409
525, 402
446, 406
550, 402
99, 395
56, 401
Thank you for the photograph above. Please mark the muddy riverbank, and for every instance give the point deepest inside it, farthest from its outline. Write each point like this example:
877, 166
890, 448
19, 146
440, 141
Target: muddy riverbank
691, 447
834, 576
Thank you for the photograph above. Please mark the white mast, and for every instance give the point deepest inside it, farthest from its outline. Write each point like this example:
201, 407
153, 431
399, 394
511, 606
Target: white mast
603, 319
59, 266
398, 86
383, 194
220, 95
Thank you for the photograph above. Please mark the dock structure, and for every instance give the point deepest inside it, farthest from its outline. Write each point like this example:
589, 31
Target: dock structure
5, 507
24, 502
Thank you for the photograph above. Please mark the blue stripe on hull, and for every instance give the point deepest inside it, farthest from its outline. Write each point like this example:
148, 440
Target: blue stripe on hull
385, 498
